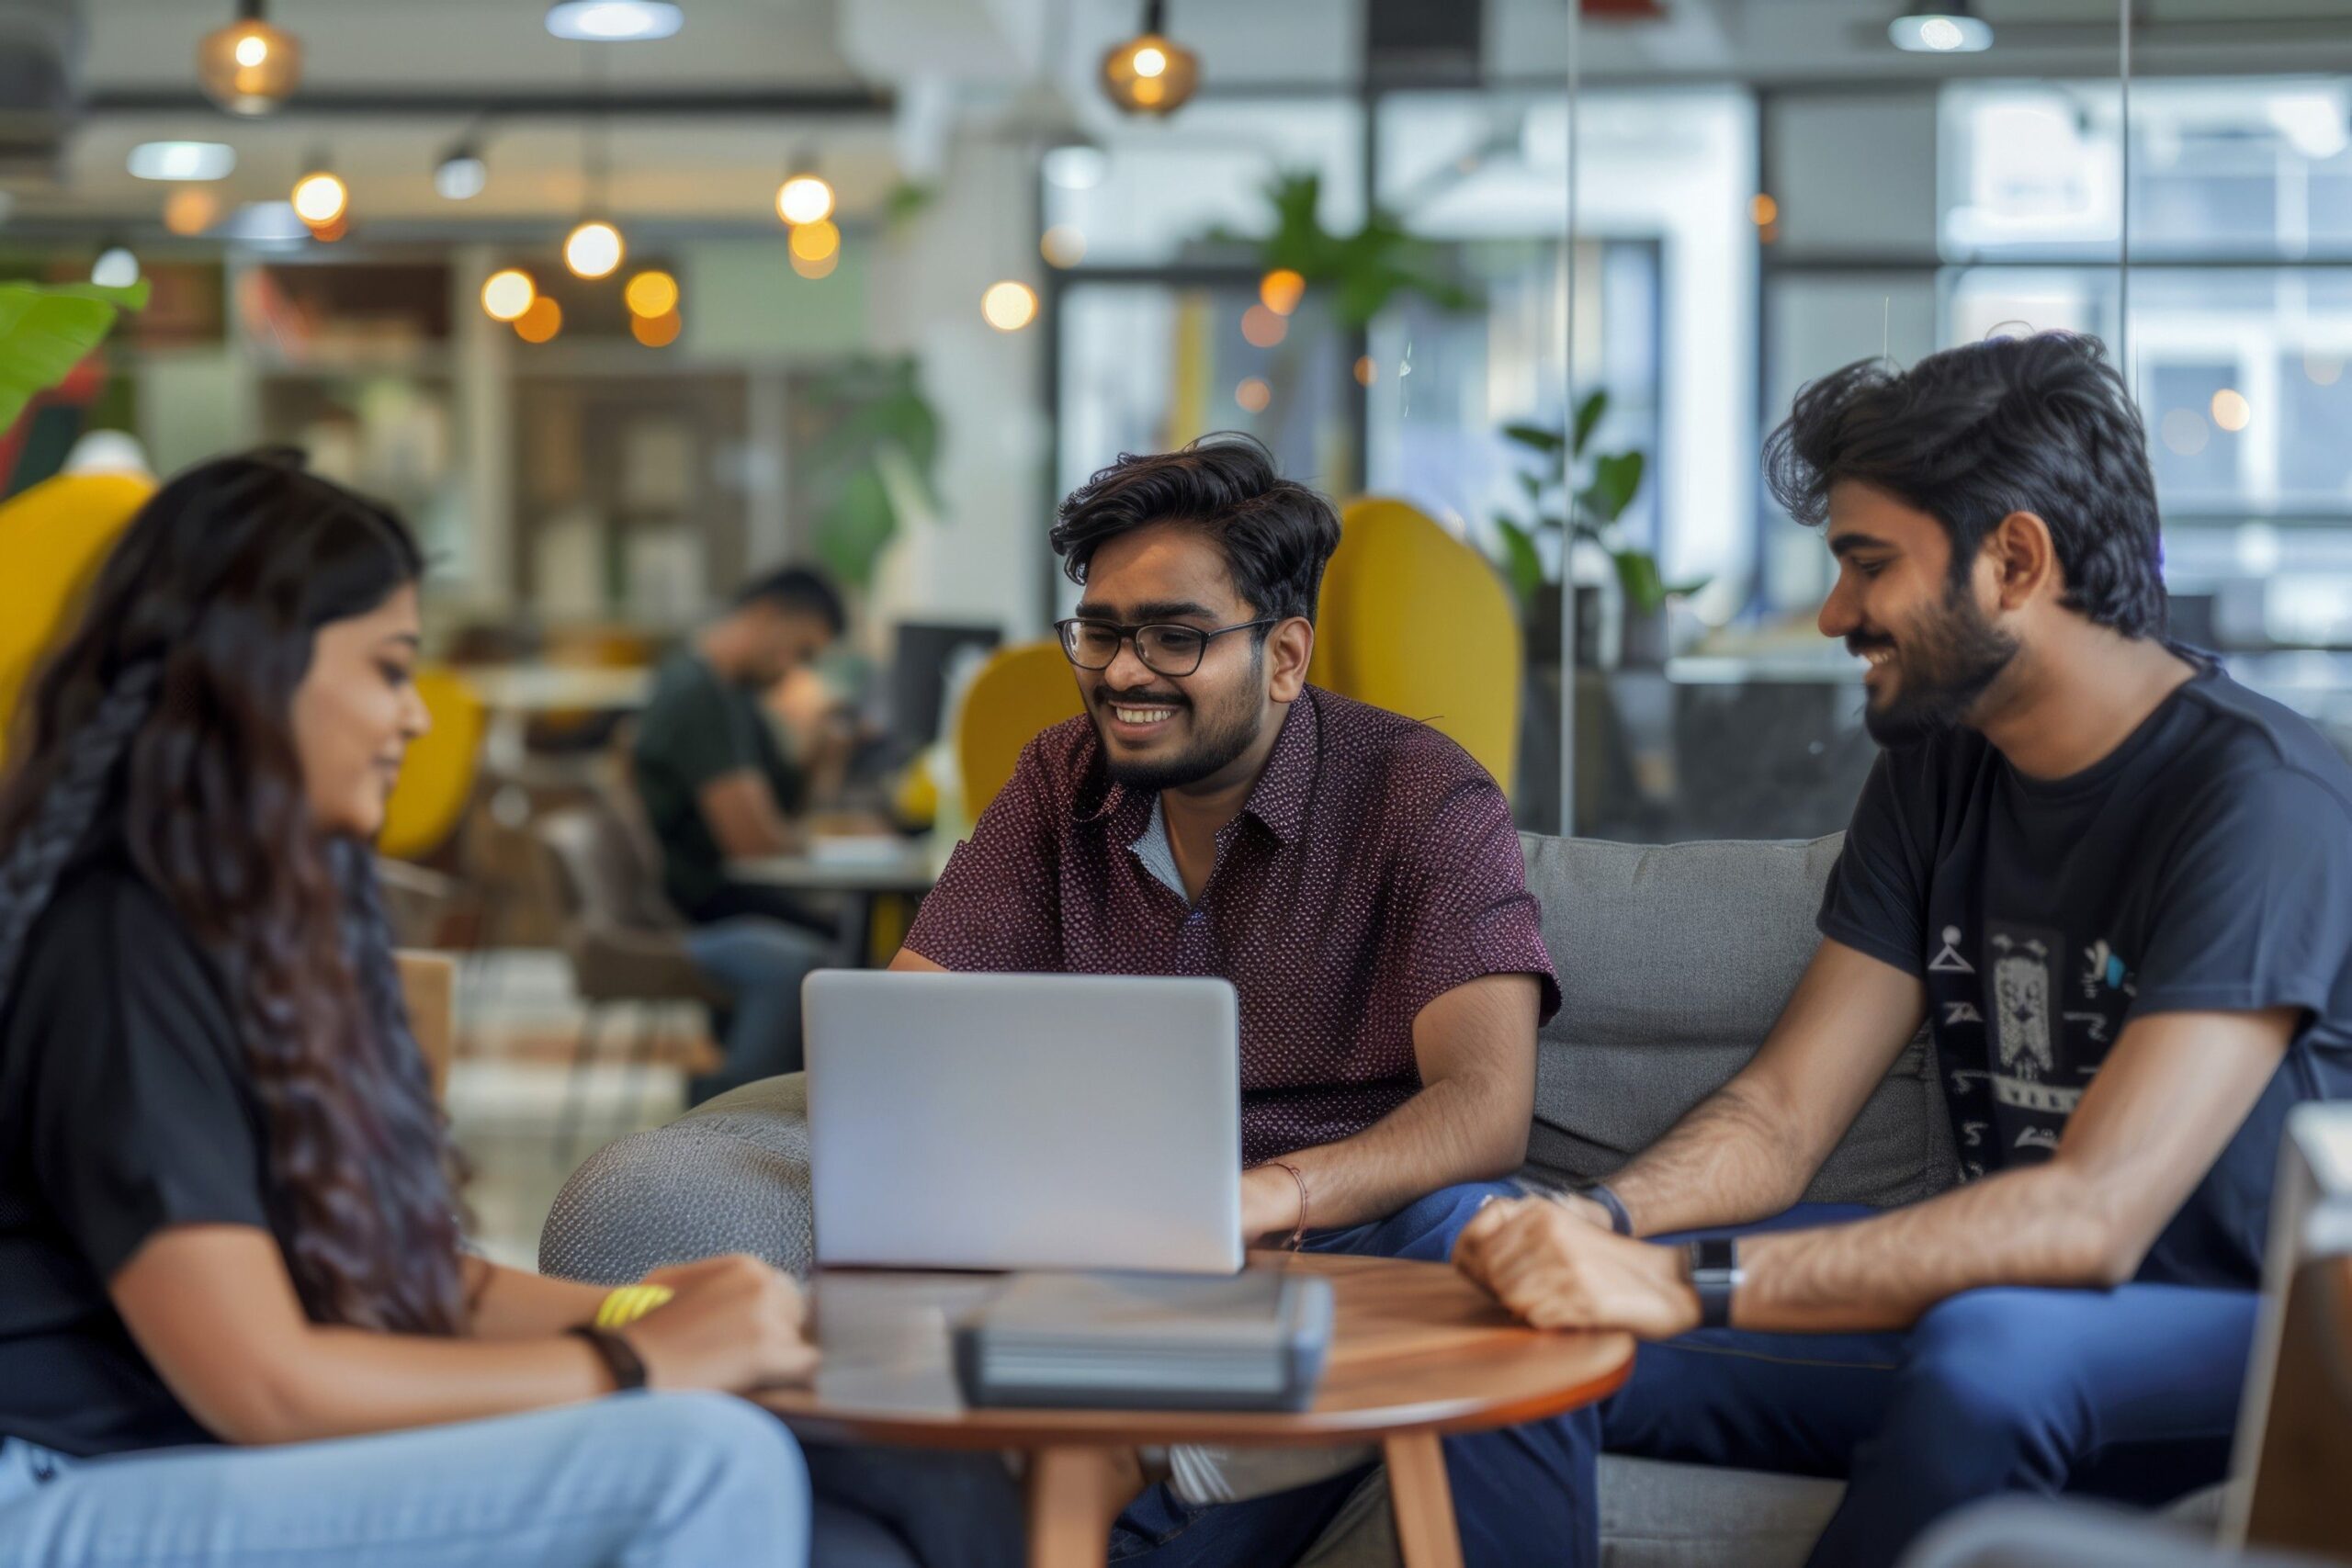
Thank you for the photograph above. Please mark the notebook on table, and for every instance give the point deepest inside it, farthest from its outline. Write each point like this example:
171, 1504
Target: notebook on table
1255, 1341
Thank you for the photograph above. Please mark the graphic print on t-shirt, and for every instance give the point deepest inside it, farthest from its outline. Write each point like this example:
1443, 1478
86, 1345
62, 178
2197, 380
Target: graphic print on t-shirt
2048, 1011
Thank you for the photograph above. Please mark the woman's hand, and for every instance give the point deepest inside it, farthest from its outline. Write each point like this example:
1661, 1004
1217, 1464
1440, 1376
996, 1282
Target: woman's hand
735, 1324
1556, 1269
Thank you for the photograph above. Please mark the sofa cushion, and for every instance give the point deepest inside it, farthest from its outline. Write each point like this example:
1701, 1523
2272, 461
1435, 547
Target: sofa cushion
1674, 962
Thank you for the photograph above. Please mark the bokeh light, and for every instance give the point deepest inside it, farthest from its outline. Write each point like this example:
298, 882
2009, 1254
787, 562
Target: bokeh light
1254, 394
804, 198
507, 293
1062, 245
593, 249
1009, 306
1262, 328
650, 294
815, 242
541, 321
2231, 410
659, 330
1281, 290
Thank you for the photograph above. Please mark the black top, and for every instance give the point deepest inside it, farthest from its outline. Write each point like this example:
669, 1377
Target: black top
696, 726
124, 1107
2205, 865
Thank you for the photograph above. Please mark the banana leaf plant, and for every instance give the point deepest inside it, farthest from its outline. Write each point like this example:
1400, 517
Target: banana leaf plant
873, 440
1575, 494
46, 329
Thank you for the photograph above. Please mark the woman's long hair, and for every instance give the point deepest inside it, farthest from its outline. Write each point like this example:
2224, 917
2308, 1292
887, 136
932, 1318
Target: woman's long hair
169, 713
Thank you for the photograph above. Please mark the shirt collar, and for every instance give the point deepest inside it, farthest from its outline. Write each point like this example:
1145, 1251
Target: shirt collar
1278, 800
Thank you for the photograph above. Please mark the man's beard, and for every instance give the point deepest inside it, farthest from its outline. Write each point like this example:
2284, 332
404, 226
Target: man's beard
1944, 665
1221, 735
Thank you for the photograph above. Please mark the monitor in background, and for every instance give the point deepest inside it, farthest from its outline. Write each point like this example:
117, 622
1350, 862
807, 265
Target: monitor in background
923, 665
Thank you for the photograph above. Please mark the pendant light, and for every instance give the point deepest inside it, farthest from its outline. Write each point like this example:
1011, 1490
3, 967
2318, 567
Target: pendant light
595, 248
249, 67
1151, 74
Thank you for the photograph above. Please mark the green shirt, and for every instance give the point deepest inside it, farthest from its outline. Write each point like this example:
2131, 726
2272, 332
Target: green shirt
698, 727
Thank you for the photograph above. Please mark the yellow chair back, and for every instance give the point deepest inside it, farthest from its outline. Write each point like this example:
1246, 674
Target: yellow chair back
1018, 693
53, 537
1415, 621
437, 778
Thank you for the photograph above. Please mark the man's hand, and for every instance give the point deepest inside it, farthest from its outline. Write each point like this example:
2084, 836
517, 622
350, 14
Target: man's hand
1556, 1270
1269, 1205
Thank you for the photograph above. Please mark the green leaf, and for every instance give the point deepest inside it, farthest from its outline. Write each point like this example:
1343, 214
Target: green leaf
1521, 564
1616, 478
1589, 414
1535, 438
852, 534
1533, 484
1637, 573
46, 329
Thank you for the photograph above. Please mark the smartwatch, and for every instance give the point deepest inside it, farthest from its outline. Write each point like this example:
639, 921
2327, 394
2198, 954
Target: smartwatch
1714, 1274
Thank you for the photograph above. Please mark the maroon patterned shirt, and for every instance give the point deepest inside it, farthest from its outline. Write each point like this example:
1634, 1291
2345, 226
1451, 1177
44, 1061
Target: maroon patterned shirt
1372, 868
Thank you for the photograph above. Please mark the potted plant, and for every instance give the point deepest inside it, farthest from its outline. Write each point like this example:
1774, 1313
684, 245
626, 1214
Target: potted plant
46, 329
1575, 497
874, 437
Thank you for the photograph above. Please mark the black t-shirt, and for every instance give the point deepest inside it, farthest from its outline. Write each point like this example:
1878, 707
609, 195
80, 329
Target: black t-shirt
124, 1107
2203, 865
697, 727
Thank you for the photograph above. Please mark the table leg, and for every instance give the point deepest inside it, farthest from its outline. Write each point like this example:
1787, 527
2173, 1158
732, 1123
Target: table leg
1075, 1493
1423, 1501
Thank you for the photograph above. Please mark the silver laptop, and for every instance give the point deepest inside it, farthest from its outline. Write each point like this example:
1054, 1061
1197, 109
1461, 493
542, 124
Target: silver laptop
1025, 1121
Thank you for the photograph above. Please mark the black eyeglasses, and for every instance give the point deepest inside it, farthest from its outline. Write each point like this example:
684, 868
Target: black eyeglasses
1165, 648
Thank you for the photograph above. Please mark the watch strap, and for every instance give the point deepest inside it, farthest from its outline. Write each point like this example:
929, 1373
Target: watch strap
620, 1358
1619, 1220
1716, 1275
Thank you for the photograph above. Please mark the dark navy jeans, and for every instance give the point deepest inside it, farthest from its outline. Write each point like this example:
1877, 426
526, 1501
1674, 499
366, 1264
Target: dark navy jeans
2129, 1394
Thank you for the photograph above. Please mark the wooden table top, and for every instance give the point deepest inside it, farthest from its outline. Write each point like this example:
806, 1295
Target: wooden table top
1415, 1348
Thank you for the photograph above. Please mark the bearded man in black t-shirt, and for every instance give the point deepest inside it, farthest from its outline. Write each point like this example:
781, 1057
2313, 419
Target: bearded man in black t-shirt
2118, 888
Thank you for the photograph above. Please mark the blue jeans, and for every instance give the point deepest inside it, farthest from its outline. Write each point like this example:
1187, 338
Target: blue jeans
637, 1481
2130, 1394
762, 961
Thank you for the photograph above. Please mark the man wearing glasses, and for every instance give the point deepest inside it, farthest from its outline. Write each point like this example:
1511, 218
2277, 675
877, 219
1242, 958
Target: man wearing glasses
1353, 874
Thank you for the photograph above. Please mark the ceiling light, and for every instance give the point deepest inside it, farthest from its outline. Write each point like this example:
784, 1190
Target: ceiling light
1151, 74
615, 21
320, 198
182, 160
1009, 306
507, 293
1062, 245
191, 212
116, 268
1080, 165
593, 249
650, 294
657, 331
249, 67
1281, 289
1935, 33
267, 225
461, 174
804, 198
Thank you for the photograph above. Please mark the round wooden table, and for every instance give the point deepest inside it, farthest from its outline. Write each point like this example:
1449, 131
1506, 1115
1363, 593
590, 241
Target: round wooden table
1417, 1352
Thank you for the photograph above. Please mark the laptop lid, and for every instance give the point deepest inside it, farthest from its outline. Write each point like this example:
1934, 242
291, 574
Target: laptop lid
1024, 1121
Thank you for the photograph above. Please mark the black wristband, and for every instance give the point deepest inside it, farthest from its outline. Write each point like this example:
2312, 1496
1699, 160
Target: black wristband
620, 1358
1619, 1220
1716, 1275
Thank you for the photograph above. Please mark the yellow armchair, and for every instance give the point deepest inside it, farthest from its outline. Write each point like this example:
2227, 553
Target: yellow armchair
437, 776
1415, 621
1018, 693
53, 537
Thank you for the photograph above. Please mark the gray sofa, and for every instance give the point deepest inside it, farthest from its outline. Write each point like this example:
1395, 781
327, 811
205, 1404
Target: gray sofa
1674, 962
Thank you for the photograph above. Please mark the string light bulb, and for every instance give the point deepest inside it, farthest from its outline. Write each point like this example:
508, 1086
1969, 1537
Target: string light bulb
320, 198
593, 249
805, 198
507, 293
1151, 73
249, 67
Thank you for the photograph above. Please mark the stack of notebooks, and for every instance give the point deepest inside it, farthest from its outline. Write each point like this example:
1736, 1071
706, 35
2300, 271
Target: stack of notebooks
1256, 1341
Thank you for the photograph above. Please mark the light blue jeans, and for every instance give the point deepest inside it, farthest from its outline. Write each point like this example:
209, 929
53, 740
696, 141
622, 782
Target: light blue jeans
637, 1481
762, 961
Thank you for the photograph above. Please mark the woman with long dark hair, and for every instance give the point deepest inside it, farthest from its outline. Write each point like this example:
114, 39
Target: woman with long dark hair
227, 1206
